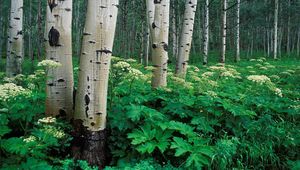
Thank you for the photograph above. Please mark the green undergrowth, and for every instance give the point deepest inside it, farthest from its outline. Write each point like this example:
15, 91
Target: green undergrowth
242, 116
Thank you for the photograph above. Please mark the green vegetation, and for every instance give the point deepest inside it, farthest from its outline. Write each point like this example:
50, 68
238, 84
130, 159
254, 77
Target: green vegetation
243, 116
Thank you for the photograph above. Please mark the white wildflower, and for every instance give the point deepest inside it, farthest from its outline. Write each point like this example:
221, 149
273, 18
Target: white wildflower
227, 74
51, 130
122, 65
217, 68
10, 90
208, 74
49, 64
212, 94
47, 120
278, 92
29, 139
249, 67
260, 79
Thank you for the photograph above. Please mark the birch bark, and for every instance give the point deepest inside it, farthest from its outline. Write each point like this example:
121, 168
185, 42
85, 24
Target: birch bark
224, 31
206, 33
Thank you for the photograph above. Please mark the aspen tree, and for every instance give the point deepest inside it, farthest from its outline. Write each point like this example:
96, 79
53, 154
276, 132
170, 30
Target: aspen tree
174, 31
91, 98
150, 18
15, 51
237, 41
206, 33
160, 38
275, 29
224, 31
59, 89
186, 36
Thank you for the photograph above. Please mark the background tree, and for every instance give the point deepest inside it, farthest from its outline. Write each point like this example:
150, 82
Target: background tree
15, 39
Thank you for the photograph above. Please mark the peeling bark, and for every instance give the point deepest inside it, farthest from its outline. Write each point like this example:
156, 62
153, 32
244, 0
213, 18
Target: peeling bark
186, 36
160, 32
15, 53
91, 97
59, 89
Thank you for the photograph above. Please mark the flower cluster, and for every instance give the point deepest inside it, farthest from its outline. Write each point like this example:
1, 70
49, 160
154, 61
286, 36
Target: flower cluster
10, 90
47, 120
53, 131
278, 92
260, 79
29, 139
212, 94
122, 65
208, 74
217, 68
49, 64
130, 60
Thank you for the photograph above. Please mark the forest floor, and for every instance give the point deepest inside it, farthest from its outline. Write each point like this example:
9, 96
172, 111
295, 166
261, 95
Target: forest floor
243, 116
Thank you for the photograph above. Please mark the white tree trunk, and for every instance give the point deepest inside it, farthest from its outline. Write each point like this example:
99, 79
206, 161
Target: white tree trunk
288, 44
91, 98
59, 89
298, 43
174, 31
276, 29
186, 36
237, 41
206, 33
160, 38
150, 18
15, 52
224, 31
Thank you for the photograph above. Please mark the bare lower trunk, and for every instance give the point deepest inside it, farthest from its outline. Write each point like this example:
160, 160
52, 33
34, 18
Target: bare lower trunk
186, 36
288, 45
206, 33
237, 41
150, 19
59, 89
275, 29
298, 43
160, 43
15, 39
224, 31
39, 20
91, 98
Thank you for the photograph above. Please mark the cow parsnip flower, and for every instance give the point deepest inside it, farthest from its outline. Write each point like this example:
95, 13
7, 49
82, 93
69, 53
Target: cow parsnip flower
278, 92
29, 139
260, 79
53, 131
47, 120
49, 64
208, 74
122, 65
130, 60
10, 90
217, 68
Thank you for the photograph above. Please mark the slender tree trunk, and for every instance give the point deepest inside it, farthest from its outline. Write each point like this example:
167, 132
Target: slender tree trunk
30, 52
150, 20
268, 41
174, 31
59, 89
224, 31
288, 45
146, 45
276, 29
2, 33
186, 36
91, 98
237, 41
298, 43
15, 40
160, 43
39, 20
206, 33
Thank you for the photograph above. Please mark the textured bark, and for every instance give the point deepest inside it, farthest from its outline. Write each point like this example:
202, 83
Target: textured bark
224, 31
59, 89
206, 33
237, 41
174, 31
15, 39
186, 36
275, 30
91, 97
40, 32
160, 32
150, 18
